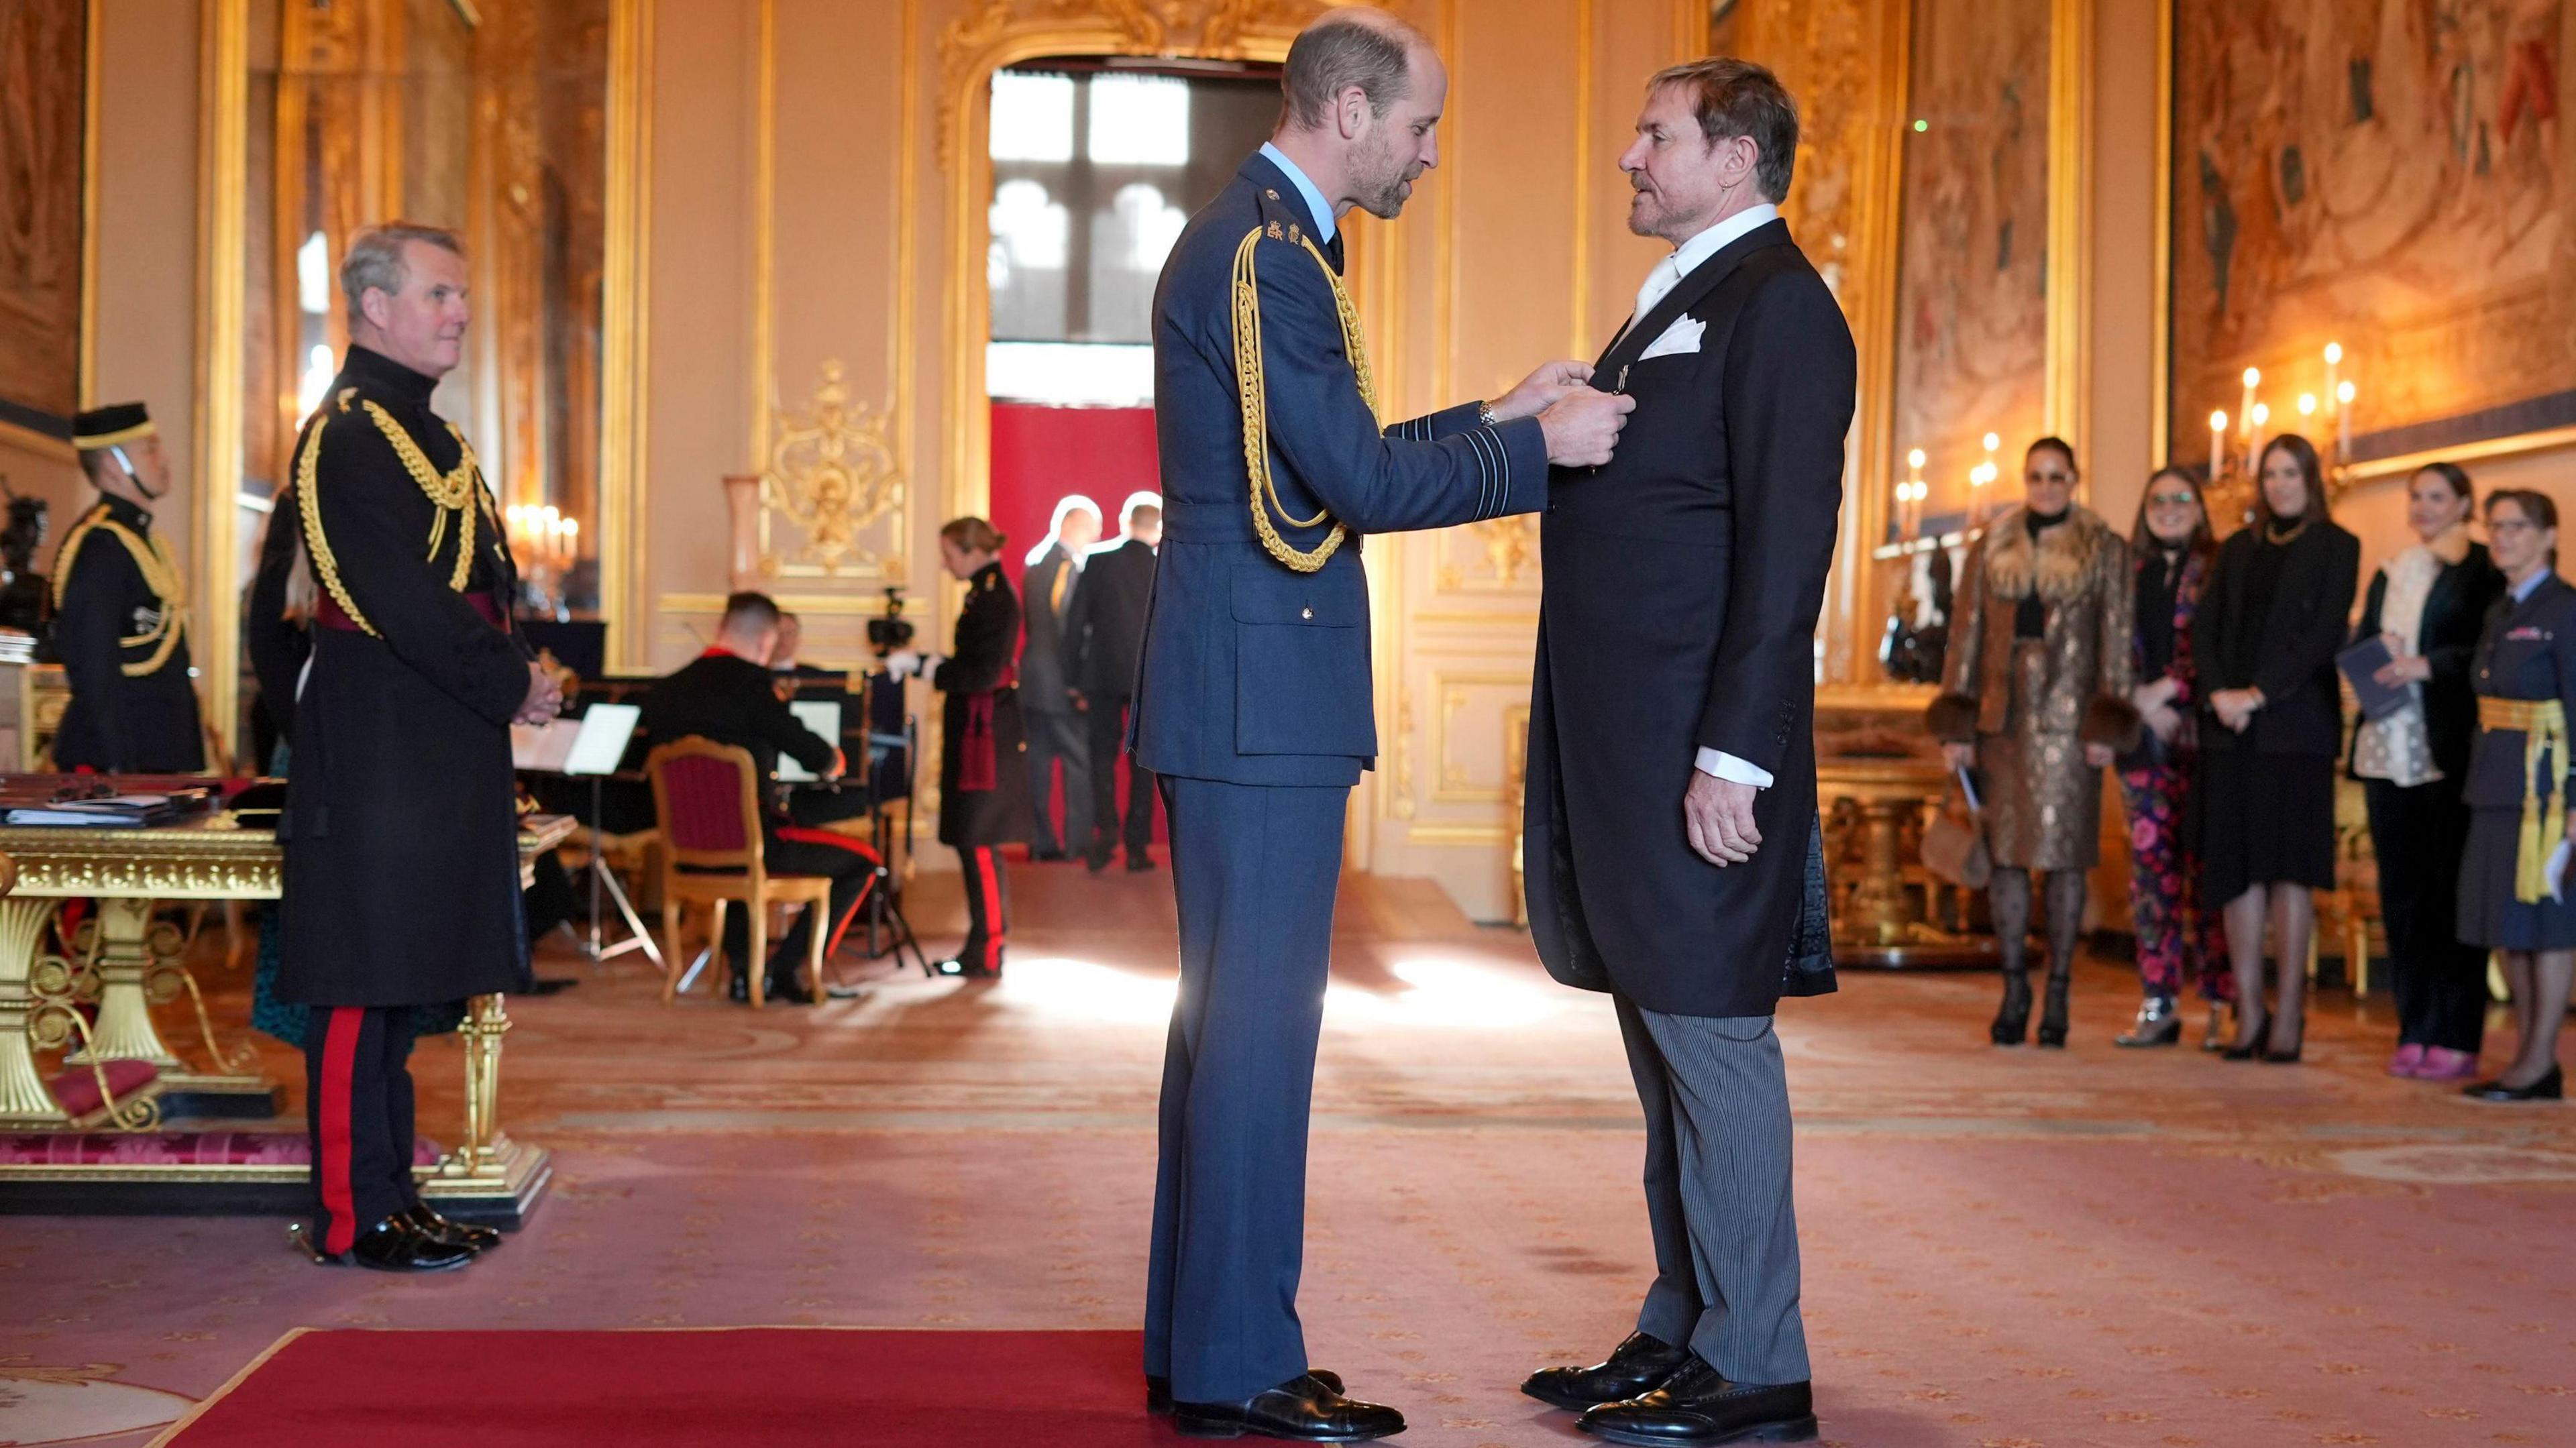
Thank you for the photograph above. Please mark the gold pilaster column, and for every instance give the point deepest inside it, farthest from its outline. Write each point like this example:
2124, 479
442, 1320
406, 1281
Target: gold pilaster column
24, 1101
223, 131
124, 1031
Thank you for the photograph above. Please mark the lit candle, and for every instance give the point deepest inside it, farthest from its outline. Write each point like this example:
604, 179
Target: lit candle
2260, 415
1914, 493
2334, 361
2307, 408
2343, 421
2217, 443
2245, 409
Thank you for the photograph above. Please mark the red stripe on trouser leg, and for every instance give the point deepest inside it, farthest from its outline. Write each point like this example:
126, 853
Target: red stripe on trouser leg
850, 844
988, 868
339, 1060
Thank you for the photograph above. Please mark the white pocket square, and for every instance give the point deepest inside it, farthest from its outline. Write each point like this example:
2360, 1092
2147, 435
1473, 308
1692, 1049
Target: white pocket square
1680, 338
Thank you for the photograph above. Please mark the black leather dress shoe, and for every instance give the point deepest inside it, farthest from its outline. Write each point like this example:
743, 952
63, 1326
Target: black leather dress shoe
427, 1220
1697, 1405
1158, 1391
1301, 1410
738, 989
392, 1245
1138, 864
2552, 1087
964, 969
1636, 1366
788, 987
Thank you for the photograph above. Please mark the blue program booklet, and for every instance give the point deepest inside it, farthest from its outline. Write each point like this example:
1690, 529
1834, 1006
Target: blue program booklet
2360, 664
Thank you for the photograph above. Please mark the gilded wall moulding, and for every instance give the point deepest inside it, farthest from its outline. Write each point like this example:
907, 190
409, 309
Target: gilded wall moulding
832, 473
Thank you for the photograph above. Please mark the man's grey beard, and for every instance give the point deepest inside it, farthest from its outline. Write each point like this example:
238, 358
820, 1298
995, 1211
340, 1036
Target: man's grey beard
1382, 193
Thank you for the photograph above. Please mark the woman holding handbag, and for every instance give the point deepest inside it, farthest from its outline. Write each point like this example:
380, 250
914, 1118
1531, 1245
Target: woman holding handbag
2035, 693
2177, 940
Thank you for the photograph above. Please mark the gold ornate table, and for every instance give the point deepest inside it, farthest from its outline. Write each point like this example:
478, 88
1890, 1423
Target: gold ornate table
135, 962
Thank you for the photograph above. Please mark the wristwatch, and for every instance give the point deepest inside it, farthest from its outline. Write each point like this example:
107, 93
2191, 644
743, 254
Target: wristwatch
1485, 415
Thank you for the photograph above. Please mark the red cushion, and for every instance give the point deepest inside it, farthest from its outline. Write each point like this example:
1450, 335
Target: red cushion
173, 1148
76, 1090
705, 799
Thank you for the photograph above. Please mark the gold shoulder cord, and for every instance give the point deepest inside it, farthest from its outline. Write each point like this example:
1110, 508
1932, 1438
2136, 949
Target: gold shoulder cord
1256, 406
455, 491
160, 574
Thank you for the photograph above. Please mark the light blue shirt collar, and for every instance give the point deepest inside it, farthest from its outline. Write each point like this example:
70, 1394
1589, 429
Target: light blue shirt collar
1315, 207
2522, 591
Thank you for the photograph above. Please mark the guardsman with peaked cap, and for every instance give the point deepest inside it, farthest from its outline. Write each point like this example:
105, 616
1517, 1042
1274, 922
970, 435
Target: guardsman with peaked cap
121, 612
1253, 703
401, 821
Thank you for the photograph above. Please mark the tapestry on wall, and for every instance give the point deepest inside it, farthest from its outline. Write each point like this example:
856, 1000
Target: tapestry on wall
43, 51
1972, 266
2392, 177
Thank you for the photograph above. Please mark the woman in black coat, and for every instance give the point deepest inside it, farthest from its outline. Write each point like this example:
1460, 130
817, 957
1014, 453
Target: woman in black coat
2268, 633
2428, 604
983, 774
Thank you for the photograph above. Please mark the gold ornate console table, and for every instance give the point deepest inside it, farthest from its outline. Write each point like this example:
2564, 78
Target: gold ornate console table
136, 962
1878, 774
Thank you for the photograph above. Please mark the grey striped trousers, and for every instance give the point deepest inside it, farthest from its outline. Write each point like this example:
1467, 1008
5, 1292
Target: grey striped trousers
1718, 1191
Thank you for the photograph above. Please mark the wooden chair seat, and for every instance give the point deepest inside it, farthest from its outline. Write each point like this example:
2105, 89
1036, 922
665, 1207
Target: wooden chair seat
706, 798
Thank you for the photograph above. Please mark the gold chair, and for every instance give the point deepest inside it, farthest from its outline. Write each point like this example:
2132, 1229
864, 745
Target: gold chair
707, 798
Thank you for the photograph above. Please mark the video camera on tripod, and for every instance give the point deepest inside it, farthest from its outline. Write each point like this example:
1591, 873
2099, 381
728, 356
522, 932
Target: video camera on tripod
890, 630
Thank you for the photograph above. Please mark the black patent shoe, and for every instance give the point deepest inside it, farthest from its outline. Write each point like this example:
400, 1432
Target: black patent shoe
1300, 1410
1158, 1390
1636, 1366
2013, 1020
392, 1245
964, 969
738, 989
430, 1222
787, 986
2552, 1087
1139, 863
2158, 1024
1698, 1405
2052, 1019
2256, 1042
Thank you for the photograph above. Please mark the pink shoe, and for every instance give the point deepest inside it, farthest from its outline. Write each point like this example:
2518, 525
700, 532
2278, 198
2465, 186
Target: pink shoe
2441, 1063
2408, 1059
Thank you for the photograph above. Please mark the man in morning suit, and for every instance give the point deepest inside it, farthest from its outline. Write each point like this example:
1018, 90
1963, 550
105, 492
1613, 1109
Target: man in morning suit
728, 695
1057, 731
1253, 704
1675, 857
121, 612
1102, 641
401, 821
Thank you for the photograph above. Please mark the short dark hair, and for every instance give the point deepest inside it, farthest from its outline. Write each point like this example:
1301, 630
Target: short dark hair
2455, 477
2058, 445
2538, 508
2311, 471
750, 609
1341, 51
1738, 98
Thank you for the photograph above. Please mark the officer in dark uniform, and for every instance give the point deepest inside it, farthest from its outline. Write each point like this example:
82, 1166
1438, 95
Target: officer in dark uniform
400, 830
121, 614
1253, 705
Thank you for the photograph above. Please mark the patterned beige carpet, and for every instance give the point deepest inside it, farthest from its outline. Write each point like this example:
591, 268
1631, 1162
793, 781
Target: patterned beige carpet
2004, 1249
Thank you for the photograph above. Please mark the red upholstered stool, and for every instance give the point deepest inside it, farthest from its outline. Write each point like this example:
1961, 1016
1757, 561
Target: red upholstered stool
707, 798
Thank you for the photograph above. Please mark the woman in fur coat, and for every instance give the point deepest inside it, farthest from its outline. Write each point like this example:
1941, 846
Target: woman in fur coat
2035, 694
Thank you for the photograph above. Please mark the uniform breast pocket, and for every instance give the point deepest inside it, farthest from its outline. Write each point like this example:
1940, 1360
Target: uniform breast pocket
1301, 677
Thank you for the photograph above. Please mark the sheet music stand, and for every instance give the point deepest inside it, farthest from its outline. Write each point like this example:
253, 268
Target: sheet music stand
590, 748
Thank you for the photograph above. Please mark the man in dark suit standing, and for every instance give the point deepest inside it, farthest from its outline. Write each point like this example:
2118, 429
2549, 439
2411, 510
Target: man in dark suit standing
1675, 856
1102, 640
1253, 704
1056, 582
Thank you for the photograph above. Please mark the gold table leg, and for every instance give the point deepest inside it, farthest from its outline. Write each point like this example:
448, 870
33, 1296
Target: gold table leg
125, 962
488, 1174
24, 1101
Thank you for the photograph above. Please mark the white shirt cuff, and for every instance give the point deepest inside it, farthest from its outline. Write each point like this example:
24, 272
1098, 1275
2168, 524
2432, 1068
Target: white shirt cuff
1733, 770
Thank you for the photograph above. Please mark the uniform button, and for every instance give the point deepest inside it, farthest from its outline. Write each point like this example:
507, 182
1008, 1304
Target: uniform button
1305, 613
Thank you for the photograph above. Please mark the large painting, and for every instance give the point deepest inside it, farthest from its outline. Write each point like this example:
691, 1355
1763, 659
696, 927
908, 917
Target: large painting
1972, 264
2392, 175
43, 50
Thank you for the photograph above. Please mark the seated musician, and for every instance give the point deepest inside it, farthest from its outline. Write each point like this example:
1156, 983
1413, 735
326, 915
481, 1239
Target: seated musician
726, 695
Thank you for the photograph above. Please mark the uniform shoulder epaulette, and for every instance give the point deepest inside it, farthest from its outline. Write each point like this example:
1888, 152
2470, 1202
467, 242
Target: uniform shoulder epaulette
1279, 218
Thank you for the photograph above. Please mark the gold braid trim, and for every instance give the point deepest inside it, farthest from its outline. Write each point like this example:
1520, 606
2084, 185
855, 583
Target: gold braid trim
453, 492
317, 544
160, 574
1248, 376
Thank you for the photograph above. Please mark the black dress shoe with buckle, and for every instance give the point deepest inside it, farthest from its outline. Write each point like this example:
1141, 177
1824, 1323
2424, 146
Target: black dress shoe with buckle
1636, 1366
392, 1245
1697, 1405
1301, 1410
429, 1222
1158, 1390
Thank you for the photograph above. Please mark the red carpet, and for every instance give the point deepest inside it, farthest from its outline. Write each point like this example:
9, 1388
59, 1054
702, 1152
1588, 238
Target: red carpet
709, 1388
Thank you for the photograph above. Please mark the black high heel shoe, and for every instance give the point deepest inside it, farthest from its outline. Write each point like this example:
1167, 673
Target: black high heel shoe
2052, 1020
2253, 1046
2289, 1057
2013, 1019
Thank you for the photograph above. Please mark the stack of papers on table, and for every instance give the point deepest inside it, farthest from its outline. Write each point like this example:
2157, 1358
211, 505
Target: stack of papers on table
124, 811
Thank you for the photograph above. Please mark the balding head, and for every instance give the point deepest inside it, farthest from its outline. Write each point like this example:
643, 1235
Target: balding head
1360, 96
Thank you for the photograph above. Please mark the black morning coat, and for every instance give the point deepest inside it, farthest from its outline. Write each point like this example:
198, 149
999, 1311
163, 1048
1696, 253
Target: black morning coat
401, 824
1043, 678
979, 664
1106, 631
724, 697
1682, 584
2294, 643
2454, 611
106, 624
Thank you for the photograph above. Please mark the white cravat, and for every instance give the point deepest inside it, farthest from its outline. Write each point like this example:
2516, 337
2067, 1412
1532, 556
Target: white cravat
1666, 275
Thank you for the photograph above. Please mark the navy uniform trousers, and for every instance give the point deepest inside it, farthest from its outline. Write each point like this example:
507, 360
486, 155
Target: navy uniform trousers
358, 1106
1254, 868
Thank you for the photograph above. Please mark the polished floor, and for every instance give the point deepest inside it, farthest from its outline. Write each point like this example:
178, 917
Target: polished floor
2005, 1249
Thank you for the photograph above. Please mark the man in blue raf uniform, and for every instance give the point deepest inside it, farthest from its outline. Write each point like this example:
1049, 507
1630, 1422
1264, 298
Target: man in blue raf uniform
1253, 702
121, 613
